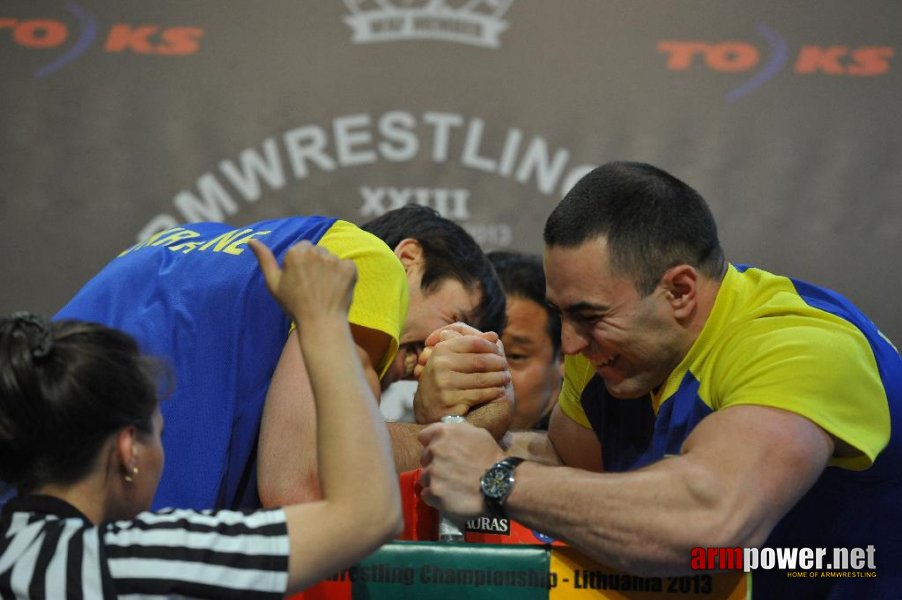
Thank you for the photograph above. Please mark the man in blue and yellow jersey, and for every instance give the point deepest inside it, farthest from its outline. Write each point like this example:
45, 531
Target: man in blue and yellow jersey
705, 404
194, 296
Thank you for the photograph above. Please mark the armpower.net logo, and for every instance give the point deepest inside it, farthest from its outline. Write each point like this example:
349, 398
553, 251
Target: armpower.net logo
65, 39
824, 563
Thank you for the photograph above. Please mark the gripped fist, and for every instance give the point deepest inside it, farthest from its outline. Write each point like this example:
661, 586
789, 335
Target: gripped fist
447, 332
311, 282
459, 371
454, 459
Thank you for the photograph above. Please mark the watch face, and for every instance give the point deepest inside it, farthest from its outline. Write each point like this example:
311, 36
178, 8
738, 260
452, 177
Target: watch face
496, 482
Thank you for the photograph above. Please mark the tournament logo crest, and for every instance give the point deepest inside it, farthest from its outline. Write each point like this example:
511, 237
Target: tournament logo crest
472, 22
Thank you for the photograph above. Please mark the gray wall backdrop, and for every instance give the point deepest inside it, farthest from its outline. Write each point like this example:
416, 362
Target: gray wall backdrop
120, 118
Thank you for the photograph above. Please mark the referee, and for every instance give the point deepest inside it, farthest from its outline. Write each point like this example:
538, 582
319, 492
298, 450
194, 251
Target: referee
80, 439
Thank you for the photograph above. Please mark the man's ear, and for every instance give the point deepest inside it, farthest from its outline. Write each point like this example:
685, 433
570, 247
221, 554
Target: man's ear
409, 252
681, 285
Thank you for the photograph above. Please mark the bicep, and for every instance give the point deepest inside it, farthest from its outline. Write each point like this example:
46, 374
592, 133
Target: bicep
576, 445
760, 460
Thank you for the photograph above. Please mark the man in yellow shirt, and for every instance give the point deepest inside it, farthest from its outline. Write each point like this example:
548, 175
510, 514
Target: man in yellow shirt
705, 404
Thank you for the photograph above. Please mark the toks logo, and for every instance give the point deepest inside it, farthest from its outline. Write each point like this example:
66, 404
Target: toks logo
740, 57
121, 37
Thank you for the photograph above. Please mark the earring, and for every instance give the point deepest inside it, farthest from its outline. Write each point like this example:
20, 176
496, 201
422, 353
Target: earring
130, 477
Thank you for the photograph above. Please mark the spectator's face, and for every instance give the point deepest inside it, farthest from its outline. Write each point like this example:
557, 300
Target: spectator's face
448, 302
633, 342
535, 367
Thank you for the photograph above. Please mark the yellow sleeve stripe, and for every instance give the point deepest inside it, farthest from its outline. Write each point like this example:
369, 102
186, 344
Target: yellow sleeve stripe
380, 296
577, 373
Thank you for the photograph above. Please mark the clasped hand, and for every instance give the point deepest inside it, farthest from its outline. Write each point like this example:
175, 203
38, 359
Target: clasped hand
460, 368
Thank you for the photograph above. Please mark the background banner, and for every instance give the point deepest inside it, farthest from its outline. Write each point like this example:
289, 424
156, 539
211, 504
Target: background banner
123, 118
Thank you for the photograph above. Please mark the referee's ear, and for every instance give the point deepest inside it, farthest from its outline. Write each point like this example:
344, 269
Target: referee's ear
127, 453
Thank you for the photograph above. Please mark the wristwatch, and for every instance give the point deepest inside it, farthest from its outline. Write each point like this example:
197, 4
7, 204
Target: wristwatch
498, 482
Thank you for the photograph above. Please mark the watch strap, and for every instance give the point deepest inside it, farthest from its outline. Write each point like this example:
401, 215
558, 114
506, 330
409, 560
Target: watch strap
510, 462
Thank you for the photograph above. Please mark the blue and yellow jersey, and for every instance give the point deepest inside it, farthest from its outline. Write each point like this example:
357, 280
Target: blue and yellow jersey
778, 342
380, 295
195, 296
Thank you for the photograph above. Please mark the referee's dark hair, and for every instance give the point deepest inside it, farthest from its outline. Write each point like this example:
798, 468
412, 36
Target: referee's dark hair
65, 387
449, 252
651, 220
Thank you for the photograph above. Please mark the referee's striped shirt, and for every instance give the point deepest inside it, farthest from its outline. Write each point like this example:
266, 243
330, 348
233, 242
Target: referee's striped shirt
48, 549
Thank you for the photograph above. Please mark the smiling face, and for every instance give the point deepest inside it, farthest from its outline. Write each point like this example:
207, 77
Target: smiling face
633, 342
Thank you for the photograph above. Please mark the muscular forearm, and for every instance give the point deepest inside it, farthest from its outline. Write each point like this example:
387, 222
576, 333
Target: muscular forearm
644, 522
405, 446
495, 416
728, 488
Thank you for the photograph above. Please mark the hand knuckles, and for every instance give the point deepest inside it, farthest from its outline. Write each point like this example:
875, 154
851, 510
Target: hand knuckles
443, 379
483, 380
484, 363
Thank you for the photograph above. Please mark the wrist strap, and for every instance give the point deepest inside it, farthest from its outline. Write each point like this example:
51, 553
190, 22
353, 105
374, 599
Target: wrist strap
510, 461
